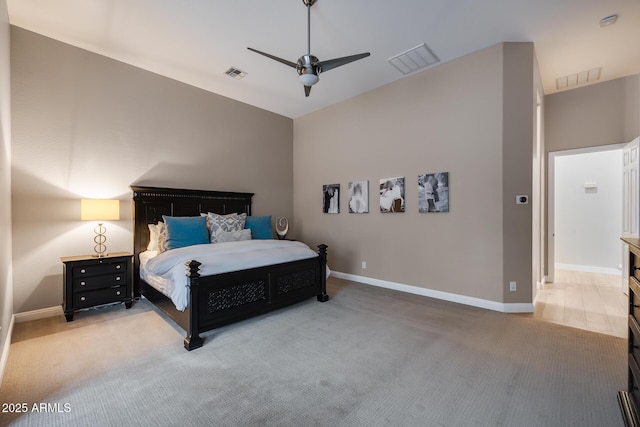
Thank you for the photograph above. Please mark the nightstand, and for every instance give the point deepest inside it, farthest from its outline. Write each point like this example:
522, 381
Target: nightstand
91, 281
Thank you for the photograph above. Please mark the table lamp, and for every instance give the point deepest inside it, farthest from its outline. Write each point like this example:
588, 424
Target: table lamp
99, 210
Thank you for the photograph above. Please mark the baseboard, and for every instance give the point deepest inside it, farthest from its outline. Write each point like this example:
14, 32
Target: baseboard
43, 313
446, 296
5, 349
590, 269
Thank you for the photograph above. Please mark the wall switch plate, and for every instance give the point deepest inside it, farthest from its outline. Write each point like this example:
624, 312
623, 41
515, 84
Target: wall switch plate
364, 265
522, 199
512, 286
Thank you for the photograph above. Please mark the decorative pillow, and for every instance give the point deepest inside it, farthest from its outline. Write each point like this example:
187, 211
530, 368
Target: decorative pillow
153, 237
161, 230
231, 222
260, 227
186, 231
233, 236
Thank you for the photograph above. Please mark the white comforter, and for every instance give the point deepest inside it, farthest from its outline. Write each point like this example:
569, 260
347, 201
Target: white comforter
217, 258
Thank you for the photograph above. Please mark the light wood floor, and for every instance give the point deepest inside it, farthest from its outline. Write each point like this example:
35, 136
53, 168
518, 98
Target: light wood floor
590, 301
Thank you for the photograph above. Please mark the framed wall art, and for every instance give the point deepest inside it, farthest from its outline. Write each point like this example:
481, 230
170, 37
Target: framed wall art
359, 197
331, 198
433, 192
392, 194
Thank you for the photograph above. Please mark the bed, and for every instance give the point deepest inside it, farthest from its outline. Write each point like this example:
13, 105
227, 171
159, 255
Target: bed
219, 299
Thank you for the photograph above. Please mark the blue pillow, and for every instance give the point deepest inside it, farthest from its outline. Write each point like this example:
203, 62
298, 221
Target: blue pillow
260, 227
186, 231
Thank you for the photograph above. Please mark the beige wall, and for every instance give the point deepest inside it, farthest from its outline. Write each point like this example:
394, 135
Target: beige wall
6, 298
518, 109
449, 118
600, 114
88, 126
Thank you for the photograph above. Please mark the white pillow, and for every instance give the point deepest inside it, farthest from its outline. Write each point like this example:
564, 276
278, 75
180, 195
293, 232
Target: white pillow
233, 236
153, 237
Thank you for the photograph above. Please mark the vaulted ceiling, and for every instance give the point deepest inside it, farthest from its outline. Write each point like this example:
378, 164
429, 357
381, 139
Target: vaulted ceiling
196, 41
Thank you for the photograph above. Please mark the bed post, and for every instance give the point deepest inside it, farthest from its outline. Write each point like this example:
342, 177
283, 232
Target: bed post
193, 340
322, 296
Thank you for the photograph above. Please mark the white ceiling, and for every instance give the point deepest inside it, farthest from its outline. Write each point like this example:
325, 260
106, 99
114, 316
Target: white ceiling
195, 41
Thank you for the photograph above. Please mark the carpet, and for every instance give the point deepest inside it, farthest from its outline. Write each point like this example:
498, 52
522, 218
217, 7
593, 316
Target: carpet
368, 357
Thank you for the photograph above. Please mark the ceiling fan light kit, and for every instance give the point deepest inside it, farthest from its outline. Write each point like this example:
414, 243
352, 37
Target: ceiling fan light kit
309, 66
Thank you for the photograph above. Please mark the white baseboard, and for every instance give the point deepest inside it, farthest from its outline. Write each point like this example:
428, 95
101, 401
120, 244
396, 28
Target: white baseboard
5, 349
43, 313
446, 296
589, 269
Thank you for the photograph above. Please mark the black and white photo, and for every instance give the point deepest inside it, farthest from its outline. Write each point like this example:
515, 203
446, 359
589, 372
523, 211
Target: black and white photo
359, 197
331, 198
433, 192
392, 194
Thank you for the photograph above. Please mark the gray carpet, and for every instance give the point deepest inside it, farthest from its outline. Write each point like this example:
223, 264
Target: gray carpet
368, 357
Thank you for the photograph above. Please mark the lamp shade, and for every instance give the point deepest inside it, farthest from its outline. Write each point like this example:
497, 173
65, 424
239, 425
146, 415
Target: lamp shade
99, 210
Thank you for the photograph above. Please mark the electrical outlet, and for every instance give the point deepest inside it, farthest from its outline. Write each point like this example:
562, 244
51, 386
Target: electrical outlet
364, 265
512, 286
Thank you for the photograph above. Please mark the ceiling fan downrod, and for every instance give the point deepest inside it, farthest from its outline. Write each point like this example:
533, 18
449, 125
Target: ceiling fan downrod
309, 3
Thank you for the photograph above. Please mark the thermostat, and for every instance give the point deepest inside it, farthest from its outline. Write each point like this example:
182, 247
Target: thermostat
522, 199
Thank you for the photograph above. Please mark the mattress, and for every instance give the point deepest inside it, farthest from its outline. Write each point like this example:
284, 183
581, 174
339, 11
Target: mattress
166, 271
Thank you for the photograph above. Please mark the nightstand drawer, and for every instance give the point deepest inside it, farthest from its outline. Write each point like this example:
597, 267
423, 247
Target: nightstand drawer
102, 296
97, 282
98, 269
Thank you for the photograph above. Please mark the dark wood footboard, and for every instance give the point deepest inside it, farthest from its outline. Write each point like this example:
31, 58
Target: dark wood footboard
221, 299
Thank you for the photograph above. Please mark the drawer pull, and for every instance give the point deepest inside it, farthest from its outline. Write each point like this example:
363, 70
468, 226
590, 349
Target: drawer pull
82, 298
83, 283
118, 279
83, 271
117, 292
118, 267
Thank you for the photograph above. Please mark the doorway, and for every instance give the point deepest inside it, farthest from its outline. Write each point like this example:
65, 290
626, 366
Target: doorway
584, 254
585, 210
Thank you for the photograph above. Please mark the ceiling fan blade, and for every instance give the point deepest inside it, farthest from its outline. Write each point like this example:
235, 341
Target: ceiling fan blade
275, 58
330, 64
307, 90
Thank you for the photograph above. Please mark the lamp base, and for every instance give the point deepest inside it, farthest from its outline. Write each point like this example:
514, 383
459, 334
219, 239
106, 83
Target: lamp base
96, 255
100, 248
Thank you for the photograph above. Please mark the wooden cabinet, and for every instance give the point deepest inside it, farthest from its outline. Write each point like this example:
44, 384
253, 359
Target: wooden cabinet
631, 395
91, 281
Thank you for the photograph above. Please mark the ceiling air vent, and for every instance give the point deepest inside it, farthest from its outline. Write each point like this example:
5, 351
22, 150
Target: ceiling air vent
580, 78
235, 73
414, 59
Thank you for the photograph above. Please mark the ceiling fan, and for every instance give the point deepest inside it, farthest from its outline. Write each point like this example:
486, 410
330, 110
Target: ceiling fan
309, 66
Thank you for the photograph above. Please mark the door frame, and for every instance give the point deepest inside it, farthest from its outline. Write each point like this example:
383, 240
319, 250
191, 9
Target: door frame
551, 198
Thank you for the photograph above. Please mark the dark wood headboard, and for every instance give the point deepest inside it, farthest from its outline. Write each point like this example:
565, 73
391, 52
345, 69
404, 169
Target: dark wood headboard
150, 203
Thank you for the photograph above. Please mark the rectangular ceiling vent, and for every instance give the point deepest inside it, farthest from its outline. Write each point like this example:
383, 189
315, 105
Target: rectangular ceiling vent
414, 59
235, 73
580, 78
